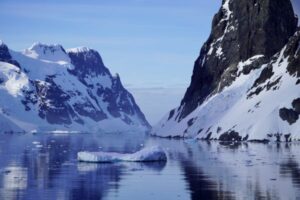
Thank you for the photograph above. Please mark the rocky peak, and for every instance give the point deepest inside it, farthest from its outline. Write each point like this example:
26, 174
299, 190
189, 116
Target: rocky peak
86, 62
4, 52
242, 29
43, 48
5, 55
117, 78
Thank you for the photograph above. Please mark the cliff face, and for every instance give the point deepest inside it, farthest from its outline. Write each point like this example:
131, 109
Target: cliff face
245, 83
240, 30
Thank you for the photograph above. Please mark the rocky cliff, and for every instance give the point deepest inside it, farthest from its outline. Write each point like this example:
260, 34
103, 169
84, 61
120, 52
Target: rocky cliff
240, 66
240, 30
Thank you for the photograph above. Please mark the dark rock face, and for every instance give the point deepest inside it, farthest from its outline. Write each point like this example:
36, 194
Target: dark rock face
171, 114
288, 115
53, 106
254, 65
30, 98
5, 55
291, 115
191, 122
296, 105
240, 30
86, 63
53, 103
265, 75
293, 51
208, 137
230, 136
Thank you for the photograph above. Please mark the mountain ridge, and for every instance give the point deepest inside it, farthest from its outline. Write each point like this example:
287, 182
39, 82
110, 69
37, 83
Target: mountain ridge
49, 88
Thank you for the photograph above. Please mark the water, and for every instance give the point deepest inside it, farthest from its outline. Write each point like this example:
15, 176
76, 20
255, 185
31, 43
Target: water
44, 166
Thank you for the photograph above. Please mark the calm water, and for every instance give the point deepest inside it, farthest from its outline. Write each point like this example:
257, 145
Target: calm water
44, 167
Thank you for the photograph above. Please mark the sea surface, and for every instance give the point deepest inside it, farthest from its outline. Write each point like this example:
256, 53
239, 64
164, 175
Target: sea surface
44, 166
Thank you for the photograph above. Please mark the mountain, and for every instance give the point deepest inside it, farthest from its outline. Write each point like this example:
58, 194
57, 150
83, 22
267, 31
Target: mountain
48, 88
246, 81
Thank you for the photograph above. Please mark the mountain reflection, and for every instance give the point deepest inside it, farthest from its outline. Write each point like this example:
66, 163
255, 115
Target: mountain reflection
201, 186
291, 169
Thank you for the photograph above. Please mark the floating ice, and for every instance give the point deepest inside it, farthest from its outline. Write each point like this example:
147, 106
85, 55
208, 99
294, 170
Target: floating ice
36, 142
150, 154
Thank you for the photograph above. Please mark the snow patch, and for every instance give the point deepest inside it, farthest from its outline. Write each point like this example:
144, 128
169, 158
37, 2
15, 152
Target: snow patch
219, 52
78, 50
13, 79
228, 12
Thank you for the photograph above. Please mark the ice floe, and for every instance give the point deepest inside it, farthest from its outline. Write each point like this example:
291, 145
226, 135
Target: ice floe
149, 154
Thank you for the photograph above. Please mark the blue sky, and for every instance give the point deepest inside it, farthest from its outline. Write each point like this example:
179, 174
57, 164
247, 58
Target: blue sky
152, 44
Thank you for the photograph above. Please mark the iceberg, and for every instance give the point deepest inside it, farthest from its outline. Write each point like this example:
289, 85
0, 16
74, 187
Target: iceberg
150, 154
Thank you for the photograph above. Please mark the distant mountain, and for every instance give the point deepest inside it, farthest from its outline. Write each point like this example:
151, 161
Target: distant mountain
246, 81
48, 88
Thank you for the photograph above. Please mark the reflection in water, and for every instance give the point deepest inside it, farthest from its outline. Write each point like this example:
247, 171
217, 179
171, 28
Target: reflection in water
14, 182
15, 178
95, 181
291, 169
201, 186
45, 167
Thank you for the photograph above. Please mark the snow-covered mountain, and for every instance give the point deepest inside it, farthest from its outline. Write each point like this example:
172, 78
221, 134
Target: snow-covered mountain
48, 88
246, 81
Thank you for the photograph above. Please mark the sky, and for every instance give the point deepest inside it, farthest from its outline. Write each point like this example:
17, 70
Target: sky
152, 44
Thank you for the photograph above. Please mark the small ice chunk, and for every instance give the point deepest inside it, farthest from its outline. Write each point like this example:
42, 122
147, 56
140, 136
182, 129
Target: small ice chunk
150, 154
35, 142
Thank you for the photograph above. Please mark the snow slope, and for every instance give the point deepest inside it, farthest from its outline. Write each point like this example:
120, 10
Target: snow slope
235, 109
